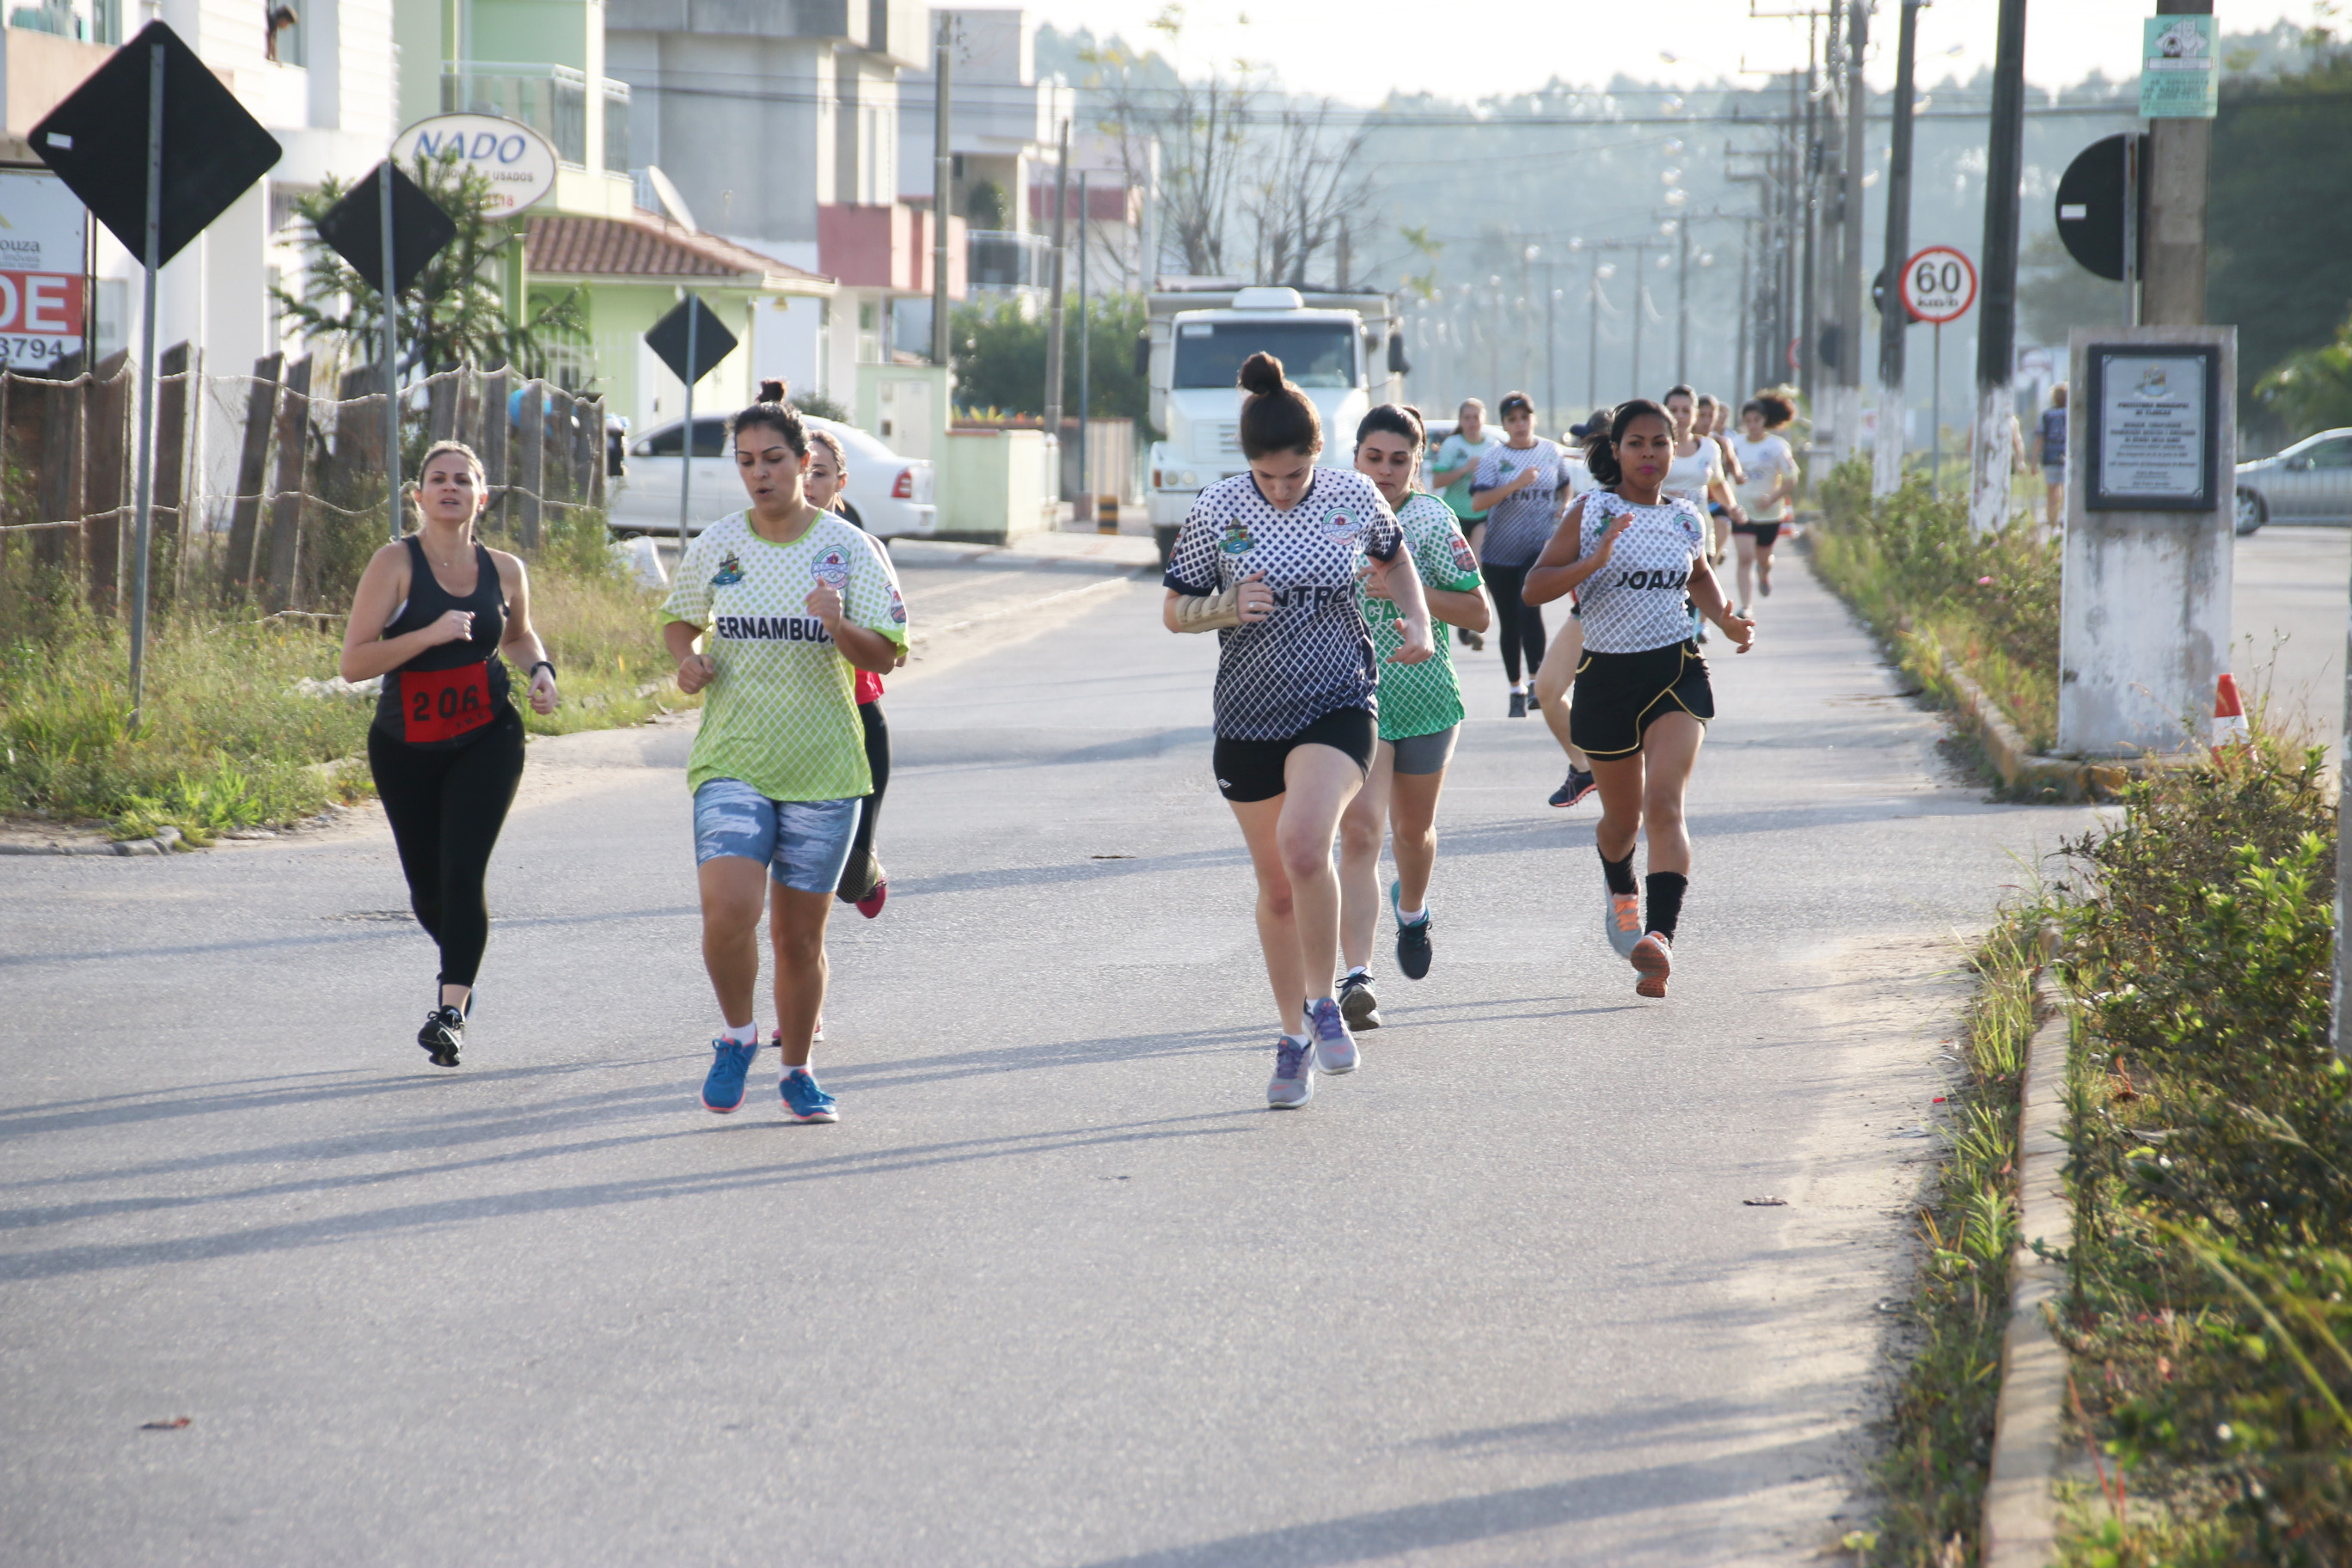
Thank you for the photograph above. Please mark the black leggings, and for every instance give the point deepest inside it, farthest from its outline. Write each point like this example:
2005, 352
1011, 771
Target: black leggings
877, 760
446, 808
1519, 626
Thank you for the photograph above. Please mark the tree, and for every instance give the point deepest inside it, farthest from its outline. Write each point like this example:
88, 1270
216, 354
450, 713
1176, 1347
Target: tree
1202, 130
454, 313
1311, 185
2312, 390
1000, 358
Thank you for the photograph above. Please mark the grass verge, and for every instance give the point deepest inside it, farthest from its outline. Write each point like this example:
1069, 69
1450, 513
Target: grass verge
229, 738
1931, 1477
1909, 565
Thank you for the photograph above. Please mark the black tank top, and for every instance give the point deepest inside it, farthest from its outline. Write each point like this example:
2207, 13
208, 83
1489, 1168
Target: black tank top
450, 694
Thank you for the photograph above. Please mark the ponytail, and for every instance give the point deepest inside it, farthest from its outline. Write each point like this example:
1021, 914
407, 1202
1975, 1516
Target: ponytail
773, 412
1275, 415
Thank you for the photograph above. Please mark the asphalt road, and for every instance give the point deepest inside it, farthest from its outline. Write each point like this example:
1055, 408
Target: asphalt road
1059, 1289
2288, 604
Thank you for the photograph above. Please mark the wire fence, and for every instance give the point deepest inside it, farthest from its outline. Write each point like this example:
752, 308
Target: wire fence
269, 485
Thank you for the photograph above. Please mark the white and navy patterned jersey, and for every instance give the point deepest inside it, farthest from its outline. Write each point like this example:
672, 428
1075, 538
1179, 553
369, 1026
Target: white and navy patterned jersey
1639, 601
1519, 527
1314, 655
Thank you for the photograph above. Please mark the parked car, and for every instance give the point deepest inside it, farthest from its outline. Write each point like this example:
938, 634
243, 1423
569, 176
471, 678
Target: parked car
892, 494
2310, 481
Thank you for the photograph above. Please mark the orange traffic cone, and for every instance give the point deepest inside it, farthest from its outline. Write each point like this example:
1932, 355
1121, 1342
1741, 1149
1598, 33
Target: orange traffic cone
2229, 716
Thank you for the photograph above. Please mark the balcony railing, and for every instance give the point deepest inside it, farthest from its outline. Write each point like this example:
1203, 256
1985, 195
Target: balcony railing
999, 258
551, 99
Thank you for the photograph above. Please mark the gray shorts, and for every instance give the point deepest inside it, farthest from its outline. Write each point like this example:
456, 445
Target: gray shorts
804, 844
2053, 474
1426, 753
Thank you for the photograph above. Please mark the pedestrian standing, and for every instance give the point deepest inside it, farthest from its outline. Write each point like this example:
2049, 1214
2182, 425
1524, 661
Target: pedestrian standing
440, 615
1764, 493
1420, 718
1635, 557
2050, 451
1517, 487
790, 601
1567, 651
1269, 560
863, 881
1452, 467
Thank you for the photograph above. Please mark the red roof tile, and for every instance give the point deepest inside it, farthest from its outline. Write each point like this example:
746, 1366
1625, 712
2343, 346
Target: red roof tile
644, 246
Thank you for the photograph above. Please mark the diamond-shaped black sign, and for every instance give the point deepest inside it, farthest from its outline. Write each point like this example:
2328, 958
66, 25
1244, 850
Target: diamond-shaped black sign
96, 140
354, 228
712, 340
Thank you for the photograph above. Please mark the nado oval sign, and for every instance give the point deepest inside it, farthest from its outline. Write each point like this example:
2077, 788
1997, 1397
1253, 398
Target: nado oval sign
518, 161
1939, 284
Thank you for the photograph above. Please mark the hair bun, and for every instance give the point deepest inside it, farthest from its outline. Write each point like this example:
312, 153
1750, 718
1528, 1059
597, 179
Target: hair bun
773, 391
1261, 374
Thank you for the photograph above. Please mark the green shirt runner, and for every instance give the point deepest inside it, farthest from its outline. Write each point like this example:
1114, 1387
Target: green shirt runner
1421, 698
1452, 453
782, 716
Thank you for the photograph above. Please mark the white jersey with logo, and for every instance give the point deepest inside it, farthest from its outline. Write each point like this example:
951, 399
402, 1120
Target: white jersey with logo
1764, 461
1638, 601
1691, 476
1313, 655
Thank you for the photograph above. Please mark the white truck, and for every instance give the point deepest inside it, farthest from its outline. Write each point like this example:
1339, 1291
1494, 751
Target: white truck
1342, 349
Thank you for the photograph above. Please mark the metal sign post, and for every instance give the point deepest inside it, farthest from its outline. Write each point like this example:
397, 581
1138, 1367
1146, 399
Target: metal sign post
690, 340
1939, 285
391, 369
151, 258
685, 445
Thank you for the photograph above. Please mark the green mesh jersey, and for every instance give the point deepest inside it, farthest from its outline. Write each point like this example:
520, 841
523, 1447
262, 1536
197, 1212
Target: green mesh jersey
781, 717
1422, 699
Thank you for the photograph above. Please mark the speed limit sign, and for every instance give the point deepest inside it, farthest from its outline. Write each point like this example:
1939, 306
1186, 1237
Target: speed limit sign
1939, 284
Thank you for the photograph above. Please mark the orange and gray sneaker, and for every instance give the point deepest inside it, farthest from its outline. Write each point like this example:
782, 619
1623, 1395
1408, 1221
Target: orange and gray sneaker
1624, 921
1654, 956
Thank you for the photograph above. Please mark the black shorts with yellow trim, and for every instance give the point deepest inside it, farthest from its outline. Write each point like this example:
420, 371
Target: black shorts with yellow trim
1253, 770
1617, 696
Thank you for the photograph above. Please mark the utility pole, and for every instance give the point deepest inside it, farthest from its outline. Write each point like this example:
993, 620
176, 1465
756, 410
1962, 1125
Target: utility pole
1808, 209
1682, 303
942, 188
1849, 312
2179, 159
1592, 335
1886, 457
1993, 454
1551, 347
1085, 365
1054, 331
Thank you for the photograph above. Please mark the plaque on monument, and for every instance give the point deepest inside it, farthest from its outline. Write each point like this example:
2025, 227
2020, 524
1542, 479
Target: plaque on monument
2152, 437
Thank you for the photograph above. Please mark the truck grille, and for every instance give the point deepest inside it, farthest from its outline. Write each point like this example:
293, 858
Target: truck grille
1219, 441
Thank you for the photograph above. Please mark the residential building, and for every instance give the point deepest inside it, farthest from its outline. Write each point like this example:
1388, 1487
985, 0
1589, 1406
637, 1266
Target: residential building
778, 127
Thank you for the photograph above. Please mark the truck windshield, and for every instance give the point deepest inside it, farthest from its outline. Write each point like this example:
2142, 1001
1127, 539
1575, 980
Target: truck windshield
1313, 353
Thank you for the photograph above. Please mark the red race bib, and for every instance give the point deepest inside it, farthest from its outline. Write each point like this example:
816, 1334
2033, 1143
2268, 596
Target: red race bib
443, 704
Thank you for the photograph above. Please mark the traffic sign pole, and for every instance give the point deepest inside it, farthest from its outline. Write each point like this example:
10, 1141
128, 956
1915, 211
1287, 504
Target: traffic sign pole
685, 446
151, 256
391, 360
1935, 417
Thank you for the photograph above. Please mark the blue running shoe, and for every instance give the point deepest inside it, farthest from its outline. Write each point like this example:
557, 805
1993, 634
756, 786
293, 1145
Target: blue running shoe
803, 1100
1334, 1047
1293, 1084
722, 1091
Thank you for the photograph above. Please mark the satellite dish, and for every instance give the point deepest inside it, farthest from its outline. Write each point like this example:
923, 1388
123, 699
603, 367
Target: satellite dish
672, 203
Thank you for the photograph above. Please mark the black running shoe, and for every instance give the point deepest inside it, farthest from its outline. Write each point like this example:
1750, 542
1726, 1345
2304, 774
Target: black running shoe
1518, 705
1412, 939
1358, 1006
444, 1033
1580, 785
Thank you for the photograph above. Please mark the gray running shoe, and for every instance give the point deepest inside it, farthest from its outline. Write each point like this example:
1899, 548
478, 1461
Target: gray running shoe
1334, 1048
1357, 1003
1293, 1084
1622, 916
1654, 957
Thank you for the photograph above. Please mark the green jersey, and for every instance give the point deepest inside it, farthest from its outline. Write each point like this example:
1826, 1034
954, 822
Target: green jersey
781, 716
1421, 698
1453, 453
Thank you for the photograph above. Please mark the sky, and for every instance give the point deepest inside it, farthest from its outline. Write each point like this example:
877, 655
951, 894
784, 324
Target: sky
1362, 52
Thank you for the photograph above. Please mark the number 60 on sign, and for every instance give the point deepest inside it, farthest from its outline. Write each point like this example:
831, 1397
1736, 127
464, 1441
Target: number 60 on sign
1939, 284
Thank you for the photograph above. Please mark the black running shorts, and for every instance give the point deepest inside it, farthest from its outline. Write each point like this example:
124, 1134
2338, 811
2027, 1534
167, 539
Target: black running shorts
1617, 696
1763, 533
1252, 769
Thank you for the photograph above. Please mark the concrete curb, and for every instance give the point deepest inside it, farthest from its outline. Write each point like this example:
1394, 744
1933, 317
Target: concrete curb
2020, 1502
2020, 768
166, 839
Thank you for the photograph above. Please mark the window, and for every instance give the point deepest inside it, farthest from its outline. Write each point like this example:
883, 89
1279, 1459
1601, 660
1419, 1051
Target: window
1313, 353
281, 30
709, 440
2336, 454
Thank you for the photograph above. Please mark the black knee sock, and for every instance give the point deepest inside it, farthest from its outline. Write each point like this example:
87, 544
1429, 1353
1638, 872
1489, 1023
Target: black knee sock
1666, 901
1619, 872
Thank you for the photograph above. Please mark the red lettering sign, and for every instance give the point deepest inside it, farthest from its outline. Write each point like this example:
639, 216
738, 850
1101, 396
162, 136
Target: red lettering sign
43, 304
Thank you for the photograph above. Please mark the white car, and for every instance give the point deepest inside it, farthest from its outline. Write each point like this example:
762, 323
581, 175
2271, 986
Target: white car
891, 494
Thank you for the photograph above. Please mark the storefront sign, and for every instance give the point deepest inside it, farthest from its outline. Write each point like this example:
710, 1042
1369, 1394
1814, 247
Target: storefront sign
44, 250
2178, 76
518, 161
2151, 447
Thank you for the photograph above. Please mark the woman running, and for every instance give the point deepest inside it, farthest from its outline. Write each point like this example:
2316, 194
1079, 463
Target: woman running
1419, 717
863, 881
1517, 487
1269, 559
1769, 483
1698, 477
1567, 650
1455, 465
1712, 419
433, 614
796, 602
1635, 557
